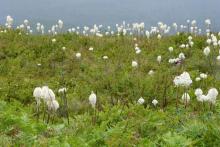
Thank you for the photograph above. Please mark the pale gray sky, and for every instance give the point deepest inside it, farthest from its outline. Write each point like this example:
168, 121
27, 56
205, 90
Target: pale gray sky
109, 12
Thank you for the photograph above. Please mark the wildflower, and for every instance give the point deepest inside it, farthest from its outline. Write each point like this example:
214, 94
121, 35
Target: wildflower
206, 51
208, 22
141, 101
198, 79
92, 99
78, 55
26, 22
199, 94
147, 33
170, 49
105, 57
154, 102
52, 105
182, 46
60, 24
183, 80
212, 95
91, 49
159, 36
218, 58
190, 38
151, 72
53, 40
138, 51
159, 58
37, 94
182, 56
9, 22
203, 98
134, 64
209, 41
62, 90
203, 76
47, 94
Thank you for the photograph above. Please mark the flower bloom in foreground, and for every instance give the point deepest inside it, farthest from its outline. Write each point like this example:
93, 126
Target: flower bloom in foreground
183, 80
53, 105
212, 95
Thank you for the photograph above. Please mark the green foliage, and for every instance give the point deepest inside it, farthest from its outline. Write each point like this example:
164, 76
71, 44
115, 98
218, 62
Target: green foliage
120, 120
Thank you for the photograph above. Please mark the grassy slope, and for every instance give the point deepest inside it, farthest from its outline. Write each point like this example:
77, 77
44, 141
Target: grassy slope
116, 83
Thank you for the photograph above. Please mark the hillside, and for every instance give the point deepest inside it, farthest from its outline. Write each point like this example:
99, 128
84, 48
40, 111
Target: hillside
119, 70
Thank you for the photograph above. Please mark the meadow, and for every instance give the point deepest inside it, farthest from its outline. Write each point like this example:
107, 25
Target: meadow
110, 90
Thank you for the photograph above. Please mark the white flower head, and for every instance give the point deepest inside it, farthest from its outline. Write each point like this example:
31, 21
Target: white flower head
183, 80
134, 64
91, 49
53, 40
154, 102
45, 92
208, 22
92, 99
182, 56
151, 72
60, 24
198, 92
62, 90
105, 57
141, 101
147, 33
197, 79
159, 36
159, 58
182, 46
206, 51
203, 76
138, 51
203, 98
190, 38
218, 58
170, 49
212, 95
53, 105
51, 95
37, 94
78, 55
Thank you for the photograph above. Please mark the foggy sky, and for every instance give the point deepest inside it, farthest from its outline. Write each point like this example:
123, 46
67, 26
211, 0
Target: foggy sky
109, 12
